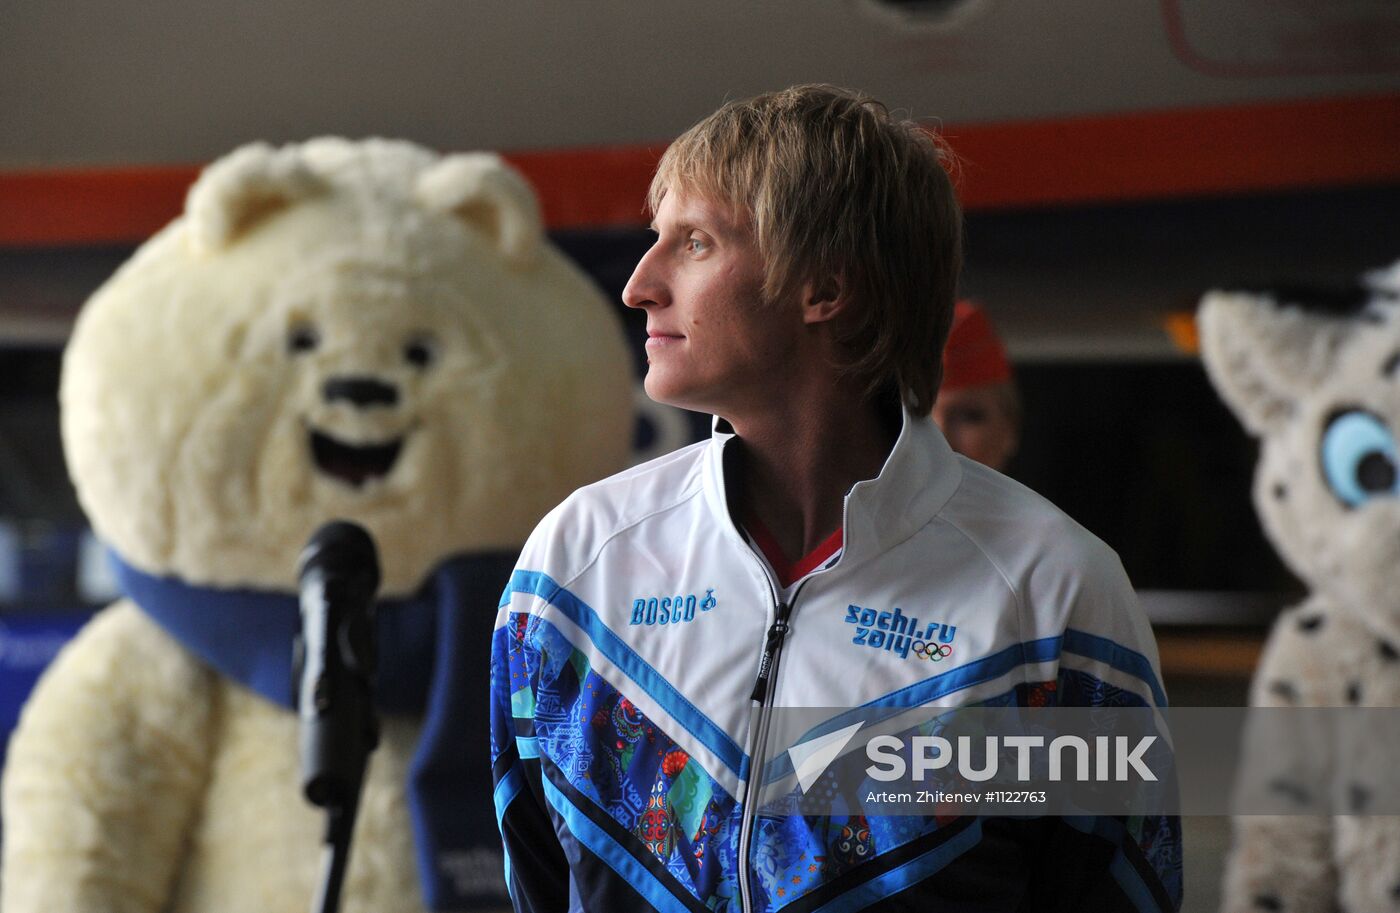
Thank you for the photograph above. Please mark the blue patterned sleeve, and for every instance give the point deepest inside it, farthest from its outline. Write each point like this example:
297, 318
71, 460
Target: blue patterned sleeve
536, 870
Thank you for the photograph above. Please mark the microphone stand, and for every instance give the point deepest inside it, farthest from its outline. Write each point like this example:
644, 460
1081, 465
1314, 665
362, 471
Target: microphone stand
340, 823
334, 666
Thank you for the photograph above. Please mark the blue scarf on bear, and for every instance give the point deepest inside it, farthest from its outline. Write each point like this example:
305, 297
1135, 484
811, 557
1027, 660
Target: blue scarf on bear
434, 661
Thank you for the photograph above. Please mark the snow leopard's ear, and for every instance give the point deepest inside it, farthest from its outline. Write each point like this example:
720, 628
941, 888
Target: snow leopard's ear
1264, 355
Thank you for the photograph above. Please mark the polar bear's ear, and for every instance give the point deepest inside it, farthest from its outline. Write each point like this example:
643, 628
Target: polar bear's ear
1264, 357
489, 195
244, 187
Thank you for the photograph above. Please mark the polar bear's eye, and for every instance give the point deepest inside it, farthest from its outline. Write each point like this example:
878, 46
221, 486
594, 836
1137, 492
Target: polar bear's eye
1359, 458
419, 351
302, 338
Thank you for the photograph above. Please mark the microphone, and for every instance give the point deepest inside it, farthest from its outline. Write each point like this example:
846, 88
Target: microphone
338, 574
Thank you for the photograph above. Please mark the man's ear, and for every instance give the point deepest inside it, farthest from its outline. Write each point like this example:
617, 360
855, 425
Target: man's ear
824, 299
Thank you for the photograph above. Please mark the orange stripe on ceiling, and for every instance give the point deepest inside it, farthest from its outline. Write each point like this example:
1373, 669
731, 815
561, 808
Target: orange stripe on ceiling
591, 187
1192, 152
90, 206
1139, 156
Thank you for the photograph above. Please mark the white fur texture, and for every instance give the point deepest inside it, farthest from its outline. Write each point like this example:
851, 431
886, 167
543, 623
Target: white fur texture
243, 188
1286, 373
140, 781
185, 418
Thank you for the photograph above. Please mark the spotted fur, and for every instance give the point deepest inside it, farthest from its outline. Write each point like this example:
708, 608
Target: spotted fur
1317, 384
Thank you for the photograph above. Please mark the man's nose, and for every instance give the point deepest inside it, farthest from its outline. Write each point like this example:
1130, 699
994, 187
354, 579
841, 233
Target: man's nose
645, 288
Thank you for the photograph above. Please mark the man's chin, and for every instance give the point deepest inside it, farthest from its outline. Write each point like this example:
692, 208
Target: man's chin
659, 388
668, 392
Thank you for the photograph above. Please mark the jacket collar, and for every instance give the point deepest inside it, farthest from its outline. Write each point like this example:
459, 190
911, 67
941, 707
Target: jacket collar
918, 477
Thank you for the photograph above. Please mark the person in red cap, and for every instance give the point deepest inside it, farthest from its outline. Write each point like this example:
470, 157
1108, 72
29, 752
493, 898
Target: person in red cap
978, 407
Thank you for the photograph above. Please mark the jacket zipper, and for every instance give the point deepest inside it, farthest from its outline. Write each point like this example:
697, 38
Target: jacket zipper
758, 728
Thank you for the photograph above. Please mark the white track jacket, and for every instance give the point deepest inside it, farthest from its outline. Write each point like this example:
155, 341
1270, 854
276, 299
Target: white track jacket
628, 650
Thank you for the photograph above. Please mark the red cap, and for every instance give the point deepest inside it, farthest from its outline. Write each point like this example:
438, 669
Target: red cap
974, 355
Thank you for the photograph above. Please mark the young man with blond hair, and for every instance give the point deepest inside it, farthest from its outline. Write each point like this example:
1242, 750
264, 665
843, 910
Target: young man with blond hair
806, 259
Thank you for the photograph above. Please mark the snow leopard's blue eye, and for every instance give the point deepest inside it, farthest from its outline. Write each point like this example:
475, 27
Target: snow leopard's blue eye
1359, 458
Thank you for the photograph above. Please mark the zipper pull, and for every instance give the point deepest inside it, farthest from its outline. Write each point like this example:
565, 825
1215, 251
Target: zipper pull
771, 645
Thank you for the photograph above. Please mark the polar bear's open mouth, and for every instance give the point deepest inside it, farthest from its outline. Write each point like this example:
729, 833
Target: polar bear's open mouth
353, 463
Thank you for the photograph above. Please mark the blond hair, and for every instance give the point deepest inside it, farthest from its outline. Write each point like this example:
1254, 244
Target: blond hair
834, 185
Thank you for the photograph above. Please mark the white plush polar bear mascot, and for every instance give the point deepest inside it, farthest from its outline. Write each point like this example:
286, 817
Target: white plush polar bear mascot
336, 329
1320, 387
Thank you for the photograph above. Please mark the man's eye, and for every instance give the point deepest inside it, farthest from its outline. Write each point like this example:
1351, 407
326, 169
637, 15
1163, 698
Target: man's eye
696, 245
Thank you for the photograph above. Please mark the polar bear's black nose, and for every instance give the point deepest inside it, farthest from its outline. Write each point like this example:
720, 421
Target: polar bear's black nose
361, 391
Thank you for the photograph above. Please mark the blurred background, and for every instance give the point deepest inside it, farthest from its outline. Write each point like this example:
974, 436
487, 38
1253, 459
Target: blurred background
1118, 159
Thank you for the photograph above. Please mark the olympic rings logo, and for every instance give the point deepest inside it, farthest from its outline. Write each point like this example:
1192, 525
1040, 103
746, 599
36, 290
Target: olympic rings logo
931, 652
